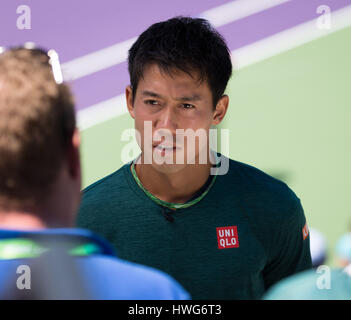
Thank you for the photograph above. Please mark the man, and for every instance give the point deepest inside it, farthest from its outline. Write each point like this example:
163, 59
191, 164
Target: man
40, 192
224, 232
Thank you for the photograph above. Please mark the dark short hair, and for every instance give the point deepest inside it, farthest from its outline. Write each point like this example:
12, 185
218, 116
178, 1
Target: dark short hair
186, 44
37, 121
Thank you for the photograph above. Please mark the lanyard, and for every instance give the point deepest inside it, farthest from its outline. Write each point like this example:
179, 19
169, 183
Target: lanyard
20, 248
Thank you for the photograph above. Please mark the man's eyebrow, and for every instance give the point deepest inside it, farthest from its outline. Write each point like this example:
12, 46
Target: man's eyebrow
151, 94
194, 97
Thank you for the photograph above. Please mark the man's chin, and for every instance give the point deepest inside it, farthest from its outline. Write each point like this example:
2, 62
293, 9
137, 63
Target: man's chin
168, 168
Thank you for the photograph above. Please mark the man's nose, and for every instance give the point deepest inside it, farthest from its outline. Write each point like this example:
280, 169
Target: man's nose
167, 119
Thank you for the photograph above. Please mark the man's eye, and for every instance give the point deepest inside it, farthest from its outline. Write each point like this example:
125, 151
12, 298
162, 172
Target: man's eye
151, 102
187, 106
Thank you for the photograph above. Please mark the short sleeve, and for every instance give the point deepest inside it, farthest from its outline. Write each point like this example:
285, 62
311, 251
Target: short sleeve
291, 248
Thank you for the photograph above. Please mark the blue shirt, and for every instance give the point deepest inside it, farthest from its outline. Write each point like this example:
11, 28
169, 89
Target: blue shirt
103, 276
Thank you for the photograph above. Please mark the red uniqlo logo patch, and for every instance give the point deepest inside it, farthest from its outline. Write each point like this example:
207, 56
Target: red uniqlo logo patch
227, 237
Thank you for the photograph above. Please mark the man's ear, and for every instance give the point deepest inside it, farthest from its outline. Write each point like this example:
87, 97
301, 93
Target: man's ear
129, 98
74, 155
221, 110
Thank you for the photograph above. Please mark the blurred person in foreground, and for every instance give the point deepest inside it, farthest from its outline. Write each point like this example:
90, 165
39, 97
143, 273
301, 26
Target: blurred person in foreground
343, 249
40, 182
223, 229
322, 283
318, 246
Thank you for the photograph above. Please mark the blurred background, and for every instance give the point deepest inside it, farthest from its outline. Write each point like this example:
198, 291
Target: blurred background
290, 94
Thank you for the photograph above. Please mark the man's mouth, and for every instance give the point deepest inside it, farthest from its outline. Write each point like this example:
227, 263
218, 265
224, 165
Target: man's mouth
165, 148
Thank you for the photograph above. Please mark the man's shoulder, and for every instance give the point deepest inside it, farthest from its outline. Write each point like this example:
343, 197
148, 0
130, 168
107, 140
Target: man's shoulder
259, 189
256, 179
102, 199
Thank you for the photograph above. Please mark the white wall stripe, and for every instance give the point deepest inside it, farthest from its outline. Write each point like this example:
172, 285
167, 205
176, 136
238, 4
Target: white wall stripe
242, 57
101, 112
289, 39
235, 10
118, 53
97, 61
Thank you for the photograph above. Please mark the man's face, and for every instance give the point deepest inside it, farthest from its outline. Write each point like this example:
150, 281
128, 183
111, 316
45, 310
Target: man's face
169, 111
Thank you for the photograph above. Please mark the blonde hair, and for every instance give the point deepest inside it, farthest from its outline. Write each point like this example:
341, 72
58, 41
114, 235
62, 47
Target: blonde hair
37, 121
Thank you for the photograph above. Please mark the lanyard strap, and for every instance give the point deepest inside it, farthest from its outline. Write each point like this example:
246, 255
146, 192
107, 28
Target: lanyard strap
20, 248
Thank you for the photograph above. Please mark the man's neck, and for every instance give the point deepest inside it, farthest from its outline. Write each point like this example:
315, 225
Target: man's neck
20, 220
176, 187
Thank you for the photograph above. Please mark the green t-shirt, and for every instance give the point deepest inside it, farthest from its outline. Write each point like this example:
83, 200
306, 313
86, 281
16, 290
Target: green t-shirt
243, 236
